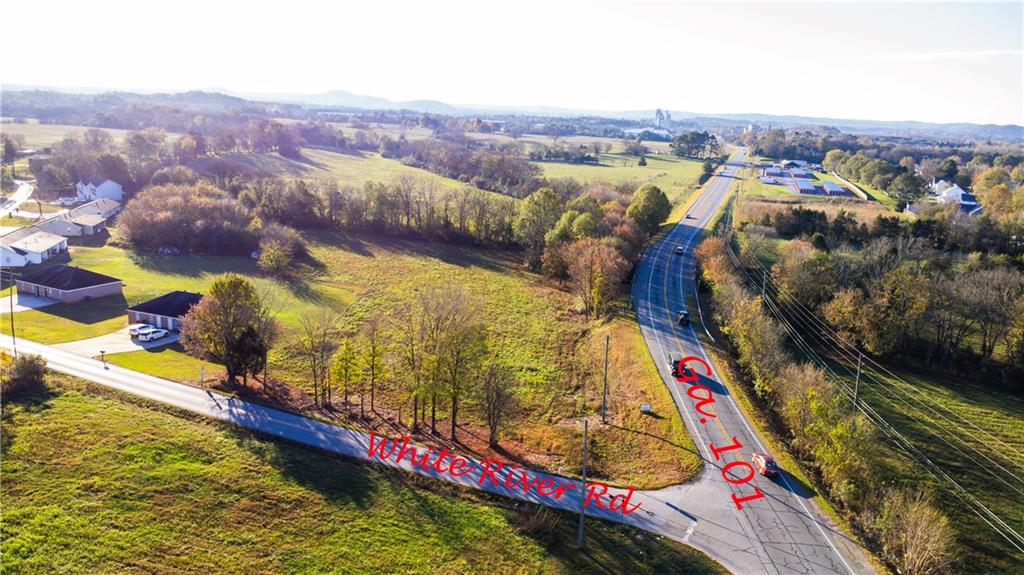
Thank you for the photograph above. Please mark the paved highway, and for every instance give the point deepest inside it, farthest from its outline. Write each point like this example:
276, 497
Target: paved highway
784, 531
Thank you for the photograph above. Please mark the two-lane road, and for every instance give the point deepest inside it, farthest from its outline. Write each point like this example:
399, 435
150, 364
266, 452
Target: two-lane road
782, 532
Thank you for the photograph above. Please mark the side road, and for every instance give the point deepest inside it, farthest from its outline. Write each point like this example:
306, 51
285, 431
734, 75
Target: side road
662, 512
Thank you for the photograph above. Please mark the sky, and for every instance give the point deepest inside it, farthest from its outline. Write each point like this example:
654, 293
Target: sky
948, 62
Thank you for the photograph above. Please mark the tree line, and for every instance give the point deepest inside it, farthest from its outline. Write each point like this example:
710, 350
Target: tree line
434, 348
823, 428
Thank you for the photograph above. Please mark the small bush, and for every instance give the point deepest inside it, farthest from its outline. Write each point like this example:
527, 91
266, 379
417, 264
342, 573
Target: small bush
27, 371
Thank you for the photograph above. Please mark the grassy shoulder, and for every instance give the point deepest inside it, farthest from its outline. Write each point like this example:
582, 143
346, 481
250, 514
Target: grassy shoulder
654, 449
94, 482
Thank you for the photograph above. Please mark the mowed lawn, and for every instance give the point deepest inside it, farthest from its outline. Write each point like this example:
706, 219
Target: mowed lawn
149, 276
932, 410
94, 483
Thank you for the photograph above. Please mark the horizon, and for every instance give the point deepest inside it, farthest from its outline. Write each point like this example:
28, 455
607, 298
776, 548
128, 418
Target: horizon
841, 61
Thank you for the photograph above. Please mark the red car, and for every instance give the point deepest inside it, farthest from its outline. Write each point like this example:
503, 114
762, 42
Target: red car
765, 464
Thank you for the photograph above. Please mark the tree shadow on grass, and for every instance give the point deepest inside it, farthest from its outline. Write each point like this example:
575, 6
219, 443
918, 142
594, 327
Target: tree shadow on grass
88, 311
335, 478
454, 253
22, 401
191, 265
653, 436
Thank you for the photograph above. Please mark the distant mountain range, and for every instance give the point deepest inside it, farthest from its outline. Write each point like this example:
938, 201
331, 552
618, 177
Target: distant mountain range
345, 100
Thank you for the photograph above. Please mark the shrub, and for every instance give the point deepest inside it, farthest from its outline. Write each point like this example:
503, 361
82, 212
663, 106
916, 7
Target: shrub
190, 219
27, 371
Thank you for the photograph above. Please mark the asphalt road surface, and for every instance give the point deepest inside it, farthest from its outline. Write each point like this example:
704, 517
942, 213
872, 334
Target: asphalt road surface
783, 531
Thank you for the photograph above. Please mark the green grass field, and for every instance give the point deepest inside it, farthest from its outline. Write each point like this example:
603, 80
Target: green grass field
42, 135
168, 362
353, 169
15, 221
988, 419
677, 177
94, 483
149, 276
532, 329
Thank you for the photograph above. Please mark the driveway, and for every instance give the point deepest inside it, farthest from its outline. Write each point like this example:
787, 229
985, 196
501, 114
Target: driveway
24, 303
117, 342
12, 203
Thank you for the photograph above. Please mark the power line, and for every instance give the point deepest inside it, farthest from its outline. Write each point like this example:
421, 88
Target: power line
900, 441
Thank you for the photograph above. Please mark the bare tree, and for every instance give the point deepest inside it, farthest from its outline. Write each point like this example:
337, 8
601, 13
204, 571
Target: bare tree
373, 359
498, 399
318, 343
410, 359
996, 292
916, 537
463, 347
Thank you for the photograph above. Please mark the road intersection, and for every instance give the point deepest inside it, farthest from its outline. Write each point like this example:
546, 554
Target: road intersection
780, 533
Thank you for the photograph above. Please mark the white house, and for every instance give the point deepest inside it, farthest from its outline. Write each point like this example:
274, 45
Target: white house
938, 187
102, 207
96, 188
39, 246
955, 195
12, 258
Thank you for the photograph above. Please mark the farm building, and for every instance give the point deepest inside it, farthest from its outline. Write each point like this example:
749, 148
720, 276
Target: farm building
834, 189
773, 172
805, 187
165, 311
802, 174
67, 284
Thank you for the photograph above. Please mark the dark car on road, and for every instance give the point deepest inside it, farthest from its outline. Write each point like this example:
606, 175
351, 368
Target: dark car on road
683, 317
673, 365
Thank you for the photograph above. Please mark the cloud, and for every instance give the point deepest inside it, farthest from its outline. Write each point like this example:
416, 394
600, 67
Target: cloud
959, 56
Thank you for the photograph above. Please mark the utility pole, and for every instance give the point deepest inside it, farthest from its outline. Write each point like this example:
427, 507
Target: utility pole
764, 283
604, 400
579, 535
856, 385
10, 298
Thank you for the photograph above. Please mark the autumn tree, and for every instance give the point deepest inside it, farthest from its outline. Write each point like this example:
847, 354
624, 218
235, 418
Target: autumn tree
463, 347
231, 325
916, 537
596, 271
538, 213
345, 366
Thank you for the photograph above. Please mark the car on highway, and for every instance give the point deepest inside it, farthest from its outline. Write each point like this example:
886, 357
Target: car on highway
679, 250
765, 464
683, 317
135, 328
673, 366
152, 334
